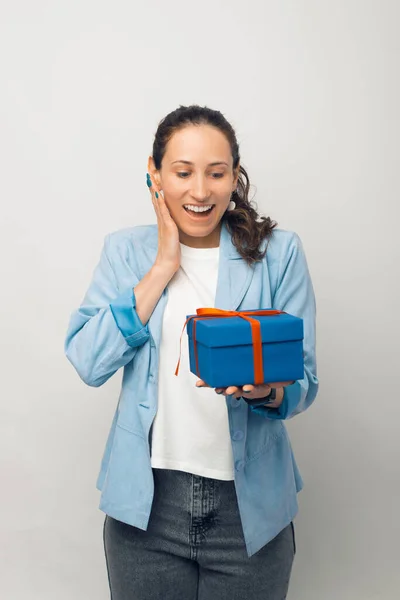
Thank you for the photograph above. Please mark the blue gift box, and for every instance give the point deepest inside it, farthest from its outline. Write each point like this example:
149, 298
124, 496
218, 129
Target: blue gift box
225, 349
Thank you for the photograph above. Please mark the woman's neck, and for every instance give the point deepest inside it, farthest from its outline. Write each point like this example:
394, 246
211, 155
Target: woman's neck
209, 241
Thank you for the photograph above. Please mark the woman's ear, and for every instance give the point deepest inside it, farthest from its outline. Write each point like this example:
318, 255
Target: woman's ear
152, 171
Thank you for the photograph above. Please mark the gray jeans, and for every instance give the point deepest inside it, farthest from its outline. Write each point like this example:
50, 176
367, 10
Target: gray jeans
194, 548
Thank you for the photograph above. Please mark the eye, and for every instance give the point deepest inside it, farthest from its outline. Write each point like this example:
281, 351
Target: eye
183, 174
217, 175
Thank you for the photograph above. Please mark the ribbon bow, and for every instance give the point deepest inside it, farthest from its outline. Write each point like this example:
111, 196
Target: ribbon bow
211, 313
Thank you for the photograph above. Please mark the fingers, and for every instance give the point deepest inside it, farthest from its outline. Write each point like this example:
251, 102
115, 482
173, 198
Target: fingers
224, 391
248, 388
201, 383
163, 208
156, 196
232, 390
153, 192
248, 391
159, 203
256, 391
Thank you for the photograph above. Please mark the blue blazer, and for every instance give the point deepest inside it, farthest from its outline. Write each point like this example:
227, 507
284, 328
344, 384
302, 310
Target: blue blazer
105, 334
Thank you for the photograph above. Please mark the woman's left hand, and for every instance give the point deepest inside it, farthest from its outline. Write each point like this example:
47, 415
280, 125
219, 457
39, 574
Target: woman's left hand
252, 391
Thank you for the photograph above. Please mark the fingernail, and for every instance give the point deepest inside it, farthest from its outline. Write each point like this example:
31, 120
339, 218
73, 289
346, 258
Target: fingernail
149, 183
156, 194
246, 391
220, 392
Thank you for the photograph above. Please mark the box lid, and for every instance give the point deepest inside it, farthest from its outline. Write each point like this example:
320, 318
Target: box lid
218, 332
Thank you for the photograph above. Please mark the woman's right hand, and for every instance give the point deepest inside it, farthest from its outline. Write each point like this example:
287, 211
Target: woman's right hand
169, 250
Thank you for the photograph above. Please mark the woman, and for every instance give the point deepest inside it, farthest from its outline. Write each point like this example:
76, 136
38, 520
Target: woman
199, 486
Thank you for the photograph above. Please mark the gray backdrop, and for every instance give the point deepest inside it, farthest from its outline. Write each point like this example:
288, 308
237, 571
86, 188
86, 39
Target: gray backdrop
312, 88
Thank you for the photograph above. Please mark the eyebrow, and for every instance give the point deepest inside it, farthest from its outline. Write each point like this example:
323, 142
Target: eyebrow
214, 164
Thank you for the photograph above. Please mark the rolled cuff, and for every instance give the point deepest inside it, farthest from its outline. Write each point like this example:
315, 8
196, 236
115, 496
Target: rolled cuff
127, 319
291, 399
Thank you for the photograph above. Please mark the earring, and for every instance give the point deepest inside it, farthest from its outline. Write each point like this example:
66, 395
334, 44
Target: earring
231, 205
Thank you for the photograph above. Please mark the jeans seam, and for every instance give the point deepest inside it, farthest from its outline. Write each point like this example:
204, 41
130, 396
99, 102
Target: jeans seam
293, 537
106, 556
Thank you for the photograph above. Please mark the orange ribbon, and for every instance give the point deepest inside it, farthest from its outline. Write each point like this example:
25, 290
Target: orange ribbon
210, 313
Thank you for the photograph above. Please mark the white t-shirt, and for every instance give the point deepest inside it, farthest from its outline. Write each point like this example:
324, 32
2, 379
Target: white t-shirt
191, 430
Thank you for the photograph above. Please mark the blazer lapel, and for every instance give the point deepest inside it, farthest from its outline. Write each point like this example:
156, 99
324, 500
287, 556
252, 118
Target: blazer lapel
234, 274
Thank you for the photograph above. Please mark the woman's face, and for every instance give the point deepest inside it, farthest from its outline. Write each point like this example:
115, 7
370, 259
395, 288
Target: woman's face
197, 180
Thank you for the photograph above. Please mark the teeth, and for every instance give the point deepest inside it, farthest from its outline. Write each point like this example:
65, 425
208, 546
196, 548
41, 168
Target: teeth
198, 208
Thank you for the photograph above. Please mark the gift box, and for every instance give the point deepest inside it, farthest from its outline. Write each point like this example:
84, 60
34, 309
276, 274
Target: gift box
236, 348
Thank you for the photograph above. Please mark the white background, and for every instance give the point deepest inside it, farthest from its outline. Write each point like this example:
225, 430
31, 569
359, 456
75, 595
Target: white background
312, 89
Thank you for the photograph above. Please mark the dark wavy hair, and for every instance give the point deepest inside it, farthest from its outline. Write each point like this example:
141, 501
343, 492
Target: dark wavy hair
248, 230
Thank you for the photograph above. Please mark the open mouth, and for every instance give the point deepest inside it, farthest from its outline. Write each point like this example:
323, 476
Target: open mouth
199, 212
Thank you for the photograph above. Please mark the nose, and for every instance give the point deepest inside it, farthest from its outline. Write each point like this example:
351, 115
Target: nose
199, 189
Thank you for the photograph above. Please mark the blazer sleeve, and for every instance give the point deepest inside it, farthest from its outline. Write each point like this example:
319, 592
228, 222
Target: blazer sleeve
105, 332
295, 295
